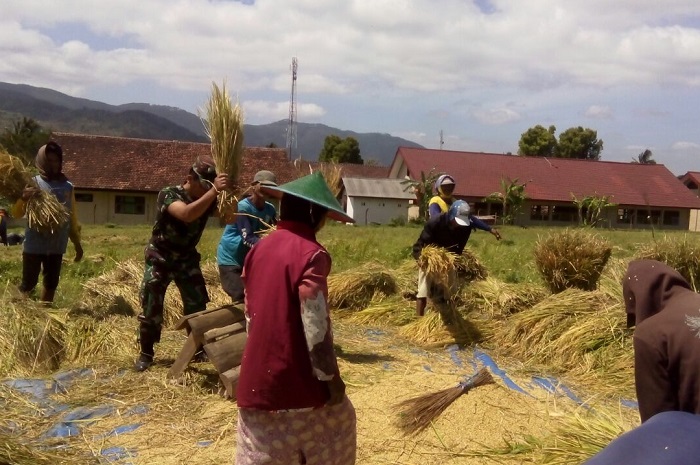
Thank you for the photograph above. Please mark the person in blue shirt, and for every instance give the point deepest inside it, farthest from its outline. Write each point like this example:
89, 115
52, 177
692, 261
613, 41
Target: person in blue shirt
255, 214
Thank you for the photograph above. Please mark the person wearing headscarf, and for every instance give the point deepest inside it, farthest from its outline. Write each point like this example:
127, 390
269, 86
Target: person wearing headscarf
440, 203
43, 250
292, 407
254, 215
450, 230
665, 313
171, 253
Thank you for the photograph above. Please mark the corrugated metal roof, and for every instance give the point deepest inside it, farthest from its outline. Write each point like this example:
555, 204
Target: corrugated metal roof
553, 179
380, 188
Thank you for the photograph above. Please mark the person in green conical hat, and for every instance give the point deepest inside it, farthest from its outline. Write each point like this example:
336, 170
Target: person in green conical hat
289, 380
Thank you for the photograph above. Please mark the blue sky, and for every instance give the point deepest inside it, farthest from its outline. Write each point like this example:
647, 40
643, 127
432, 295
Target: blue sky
482, 72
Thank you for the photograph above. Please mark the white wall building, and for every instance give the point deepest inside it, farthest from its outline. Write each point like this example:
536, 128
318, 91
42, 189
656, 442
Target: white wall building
376, 201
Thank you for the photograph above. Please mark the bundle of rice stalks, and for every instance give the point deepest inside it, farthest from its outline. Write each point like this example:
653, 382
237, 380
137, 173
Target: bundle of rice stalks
575, 437
611, 280
332, 173
406, 277
469, 268
88, 340
31, 339
573, 258
355, 288
683, 255
498, 300
113, 293
14, 176
439, 327
439, 265
559, 332
44, 212
391, 312
224, 126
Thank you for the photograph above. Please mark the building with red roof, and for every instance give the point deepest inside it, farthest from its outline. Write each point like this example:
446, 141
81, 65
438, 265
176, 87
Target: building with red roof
644, 195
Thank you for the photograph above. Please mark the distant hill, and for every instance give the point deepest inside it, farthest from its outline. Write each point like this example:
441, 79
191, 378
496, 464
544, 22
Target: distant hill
60, 112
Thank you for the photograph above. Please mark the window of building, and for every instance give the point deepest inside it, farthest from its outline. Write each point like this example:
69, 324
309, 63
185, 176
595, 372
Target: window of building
672, 218
362, 204
539, 213
565, 213
129, 205
625, 216
80, 197
649, 216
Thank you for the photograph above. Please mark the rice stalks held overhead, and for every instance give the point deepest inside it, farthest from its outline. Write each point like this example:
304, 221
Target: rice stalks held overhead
333, 174
683, 255
572, 258
223, 123
418, 413
357, 287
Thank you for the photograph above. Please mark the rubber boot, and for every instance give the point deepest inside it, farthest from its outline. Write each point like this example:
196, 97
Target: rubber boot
148, 336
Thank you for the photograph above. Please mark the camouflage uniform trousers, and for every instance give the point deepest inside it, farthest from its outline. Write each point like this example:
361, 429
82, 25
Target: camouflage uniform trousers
158, 274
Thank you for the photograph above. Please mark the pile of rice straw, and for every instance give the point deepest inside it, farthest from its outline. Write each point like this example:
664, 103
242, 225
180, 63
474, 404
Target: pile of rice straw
333, 174
224, 126
572, 258
683, 255
44, 212
498, 299
357, 287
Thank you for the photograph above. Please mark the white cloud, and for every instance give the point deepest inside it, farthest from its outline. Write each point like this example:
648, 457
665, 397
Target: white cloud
496, 115
599, 112
260, 110
681, 145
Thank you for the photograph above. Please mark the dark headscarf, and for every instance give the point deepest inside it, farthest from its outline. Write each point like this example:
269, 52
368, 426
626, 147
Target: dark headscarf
42, 158
647, 286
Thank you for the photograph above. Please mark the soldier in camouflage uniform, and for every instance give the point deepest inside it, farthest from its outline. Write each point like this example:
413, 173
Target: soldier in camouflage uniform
171, 254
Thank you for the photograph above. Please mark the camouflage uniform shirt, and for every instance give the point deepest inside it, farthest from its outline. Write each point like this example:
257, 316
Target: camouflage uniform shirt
172, 238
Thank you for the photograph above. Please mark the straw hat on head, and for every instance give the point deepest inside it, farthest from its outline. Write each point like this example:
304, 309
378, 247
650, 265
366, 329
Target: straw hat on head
312, 188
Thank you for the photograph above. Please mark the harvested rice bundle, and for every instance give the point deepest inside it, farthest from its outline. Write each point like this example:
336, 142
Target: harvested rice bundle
498, 300
438, 264
683, 255
332, 173
611, 280
224, 126
393, 312
559, 331
573, 258
356, 287
405, 277
14, 176
31, 339
113, 293
574, 438
88, 340
469, 268
438, 328
44, 212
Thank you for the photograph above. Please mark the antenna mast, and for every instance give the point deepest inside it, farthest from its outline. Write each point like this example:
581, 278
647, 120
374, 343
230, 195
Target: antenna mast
442, 142
292, 124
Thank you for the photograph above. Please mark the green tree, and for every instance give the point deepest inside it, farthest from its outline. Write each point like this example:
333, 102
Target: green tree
24, 139
337, 150
645, 158
591, 207
538, 141
512, 198
579, 143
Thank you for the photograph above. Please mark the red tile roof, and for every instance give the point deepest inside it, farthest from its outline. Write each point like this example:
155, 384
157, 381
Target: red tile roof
478, 175
693, 176
118, 163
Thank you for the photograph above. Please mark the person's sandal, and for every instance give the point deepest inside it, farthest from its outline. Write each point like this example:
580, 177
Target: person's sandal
143, 363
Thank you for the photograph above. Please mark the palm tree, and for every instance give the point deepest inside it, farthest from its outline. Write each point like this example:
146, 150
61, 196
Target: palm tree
644, 158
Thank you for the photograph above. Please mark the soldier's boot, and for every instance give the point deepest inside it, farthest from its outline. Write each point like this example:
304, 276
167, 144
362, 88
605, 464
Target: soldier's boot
148, 336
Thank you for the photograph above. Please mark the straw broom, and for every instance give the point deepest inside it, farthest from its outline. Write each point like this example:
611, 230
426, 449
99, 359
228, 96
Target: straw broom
418, 413
224, 126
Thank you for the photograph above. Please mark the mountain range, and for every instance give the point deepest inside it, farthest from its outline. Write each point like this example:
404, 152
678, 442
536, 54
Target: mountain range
59, 112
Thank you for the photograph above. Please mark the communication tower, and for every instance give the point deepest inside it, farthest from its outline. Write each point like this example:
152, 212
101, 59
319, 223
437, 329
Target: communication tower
292, 124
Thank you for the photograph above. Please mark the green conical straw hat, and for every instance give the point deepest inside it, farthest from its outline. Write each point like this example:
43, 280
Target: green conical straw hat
314, 189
